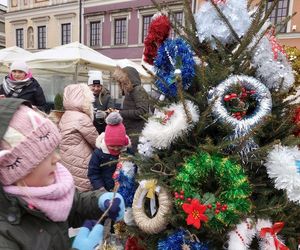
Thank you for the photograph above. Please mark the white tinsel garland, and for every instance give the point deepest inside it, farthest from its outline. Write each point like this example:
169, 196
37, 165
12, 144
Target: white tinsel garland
282, 167
241, 237
275, 74
160, 132
210, 24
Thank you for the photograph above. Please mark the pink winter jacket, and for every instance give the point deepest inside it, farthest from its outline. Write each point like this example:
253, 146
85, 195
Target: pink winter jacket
78, 133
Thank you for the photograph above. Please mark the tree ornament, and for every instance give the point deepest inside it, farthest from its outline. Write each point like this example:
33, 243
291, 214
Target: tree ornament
283, 167
241, 237
243, 125
158, 223
210, 24
181, 239
174, 56
234, 189
272, 67
158, 32
195, 211
165, 126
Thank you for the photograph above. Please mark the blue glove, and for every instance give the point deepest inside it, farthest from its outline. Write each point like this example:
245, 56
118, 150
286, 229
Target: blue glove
117, 210
86, 239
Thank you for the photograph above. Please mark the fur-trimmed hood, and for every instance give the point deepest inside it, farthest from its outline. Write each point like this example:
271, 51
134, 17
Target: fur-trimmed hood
78, 97
128, 77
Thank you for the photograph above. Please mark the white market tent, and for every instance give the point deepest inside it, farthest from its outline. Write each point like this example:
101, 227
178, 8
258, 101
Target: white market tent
8, 55
126, 62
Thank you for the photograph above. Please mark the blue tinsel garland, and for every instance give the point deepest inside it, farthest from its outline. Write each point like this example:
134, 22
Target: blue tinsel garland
127, 188
173, 54
176, 240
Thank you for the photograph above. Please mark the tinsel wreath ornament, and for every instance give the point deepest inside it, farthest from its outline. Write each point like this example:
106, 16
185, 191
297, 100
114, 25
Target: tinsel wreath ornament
244, 115
148, 189
173, 56
181, 240
210, 24
158, 32
242, 236
283, 166
210, 210
165, 126
272, 65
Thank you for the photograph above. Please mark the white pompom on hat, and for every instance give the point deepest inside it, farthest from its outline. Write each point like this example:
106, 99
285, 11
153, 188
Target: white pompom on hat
95, 77
19, 65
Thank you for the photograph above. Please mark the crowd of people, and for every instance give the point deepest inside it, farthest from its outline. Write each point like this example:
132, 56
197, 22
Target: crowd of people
51, 176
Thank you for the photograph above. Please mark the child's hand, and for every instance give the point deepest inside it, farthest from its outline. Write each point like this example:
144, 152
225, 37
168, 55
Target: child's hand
86, 239
117, 210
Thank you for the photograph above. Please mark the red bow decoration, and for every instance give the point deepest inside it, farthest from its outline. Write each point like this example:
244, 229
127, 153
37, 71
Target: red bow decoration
167, 117
276, 228
276, 47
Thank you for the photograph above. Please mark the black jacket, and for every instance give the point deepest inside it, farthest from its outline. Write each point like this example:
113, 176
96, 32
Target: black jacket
33, 93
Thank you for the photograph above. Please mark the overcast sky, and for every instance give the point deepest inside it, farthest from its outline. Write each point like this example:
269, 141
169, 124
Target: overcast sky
4, 2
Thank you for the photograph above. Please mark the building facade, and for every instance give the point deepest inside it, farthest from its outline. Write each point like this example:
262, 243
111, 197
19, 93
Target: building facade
290, 34
117, 28
2, 26
41, 24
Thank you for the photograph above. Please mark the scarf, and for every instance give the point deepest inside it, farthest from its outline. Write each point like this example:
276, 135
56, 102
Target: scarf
12, 87
54, 200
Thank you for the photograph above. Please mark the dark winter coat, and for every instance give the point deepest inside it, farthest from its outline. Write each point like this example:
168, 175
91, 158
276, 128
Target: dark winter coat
24, 229
135, 106
101, 176
102, 102
33, 93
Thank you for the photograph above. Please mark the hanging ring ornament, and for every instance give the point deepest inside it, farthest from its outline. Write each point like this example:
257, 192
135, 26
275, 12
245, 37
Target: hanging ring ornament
232, 200
242, 127
174, 55
283, 166
159, 222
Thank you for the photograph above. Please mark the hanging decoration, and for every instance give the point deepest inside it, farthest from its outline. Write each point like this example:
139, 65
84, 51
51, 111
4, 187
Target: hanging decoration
210, 24
156, 224
222, 209
283, 167
256, 110
165, 126
158, 32
272, 65
241, 237
174, 55
181, 240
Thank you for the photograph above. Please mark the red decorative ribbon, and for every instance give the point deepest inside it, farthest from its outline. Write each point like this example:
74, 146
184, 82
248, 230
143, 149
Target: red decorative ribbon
276, 228
167, 117
219, 1
276, 47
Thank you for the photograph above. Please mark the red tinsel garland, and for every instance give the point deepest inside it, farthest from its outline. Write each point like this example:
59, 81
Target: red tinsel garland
132, 244
296, 120
158, 32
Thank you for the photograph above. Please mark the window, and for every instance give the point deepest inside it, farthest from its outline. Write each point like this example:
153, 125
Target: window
95, 33
176, 18
279, 13
120, 31
20, 38
146, 23
65, 33
41, 37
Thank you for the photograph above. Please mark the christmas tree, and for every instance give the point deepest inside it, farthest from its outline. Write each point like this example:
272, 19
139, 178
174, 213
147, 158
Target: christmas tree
218, 162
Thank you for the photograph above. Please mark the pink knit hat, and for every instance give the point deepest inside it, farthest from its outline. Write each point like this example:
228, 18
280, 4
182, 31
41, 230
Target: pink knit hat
115, 132
30, 138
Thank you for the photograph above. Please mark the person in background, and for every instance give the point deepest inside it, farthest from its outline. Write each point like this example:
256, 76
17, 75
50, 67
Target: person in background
19, 83
109, 146
38, 199
103, 100
78, 133
136, 102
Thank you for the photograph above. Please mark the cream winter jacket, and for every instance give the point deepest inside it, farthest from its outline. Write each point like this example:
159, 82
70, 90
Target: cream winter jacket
78, 133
